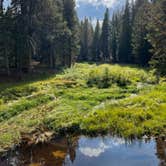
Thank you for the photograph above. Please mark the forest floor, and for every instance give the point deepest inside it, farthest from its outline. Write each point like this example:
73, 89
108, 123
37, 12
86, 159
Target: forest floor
89, 99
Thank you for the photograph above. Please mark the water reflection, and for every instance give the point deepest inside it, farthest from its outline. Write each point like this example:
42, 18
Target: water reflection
161, 151
84, 151
94, 147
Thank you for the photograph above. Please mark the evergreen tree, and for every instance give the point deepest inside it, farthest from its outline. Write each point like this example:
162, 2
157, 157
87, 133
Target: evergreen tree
70, 17
54, 30
25, 44
140, 44
48, 31
6, 41
44, 30
113, 39
115, 35
96, 43
86, 40
105, 38
157, 35
125, 38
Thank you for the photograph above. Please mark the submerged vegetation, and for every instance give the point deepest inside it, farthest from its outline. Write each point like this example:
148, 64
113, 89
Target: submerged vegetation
88, 99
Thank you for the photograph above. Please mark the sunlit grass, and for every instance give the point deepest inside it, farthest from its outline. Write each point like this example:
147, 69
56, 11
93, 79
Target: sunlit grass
85, 98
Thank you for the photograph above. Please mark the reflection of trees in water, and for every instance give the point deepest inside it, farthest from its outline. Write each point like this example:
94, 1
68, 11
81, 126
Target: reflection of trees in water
72, 145
63, 152
161, 151
49, 154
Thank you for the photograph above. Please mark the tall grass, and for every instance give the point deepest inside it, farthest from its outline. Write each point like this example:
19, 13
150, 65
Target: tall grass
106, 75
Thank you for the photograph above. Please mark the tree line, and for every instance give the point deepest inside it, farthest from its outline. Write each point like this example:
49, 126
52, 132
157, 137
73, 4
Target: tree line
49, 32
42, 30
134, 35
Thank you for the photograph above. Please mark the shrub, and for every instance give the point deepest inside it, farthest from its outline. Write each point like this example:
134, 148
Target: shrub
104, 78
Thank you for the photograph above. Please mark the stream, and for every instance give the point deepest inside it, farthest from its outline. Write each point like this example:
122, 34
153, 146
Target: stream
87, 151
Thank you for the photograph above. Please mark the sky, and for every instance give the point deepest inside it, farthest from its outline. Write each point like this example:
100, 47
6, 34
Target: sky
107, 3
94, 9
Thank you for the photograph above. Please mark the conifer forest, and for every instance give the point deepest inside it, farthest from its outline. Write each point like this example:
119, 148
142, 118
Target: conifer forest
74, 91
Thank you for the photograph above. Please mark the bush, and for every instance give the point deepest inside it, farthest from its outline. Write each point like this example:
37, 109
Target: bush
104, 78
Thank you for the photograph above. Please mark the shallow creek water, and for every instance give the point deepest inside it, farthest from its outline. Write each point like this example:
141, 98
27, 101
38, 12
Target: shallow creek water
86, 151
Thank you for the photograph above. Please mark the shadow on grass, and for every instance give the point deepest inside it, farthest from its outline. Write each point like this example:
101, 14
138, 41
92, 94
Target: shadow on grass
39, 74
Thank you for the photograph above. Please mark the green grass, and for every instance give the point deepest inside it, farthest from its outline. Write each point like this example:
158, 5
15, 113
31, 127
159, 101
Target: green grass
89, 99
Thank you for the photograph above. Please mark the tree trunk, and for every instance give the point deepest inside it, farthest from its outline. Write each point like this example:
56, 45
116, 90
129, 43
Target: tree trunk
7, 62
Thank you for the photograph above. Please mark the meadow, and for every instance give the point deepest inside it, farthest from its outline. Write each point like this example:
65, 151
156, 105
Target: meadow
86, 99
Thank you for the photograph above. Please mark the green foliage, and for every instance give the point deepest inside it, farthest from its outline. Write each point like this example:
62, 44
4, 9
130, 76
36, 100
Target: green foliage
105, 76
86, 39
104, 79
125, 36
47, 32
1, 102
72, 47
140, 45
96, 43
115, 35
136, 35
8, 111
17, 92
64, 103
105, 38
157, 36
131, 116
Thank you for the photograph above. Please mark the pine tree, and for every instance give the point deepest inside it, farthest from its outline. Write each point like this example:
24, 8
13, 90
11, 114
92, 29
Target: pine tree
70, 17
96, 43
6, 40
157, 35
140, 44
45, 30
25, 44
50, 32
115, 35
113, 39
105, 38
125, 38
86, 40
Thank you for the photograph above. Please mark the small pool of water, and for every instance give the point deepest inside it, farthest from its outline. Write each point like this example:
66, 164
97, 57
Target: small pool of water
86, 151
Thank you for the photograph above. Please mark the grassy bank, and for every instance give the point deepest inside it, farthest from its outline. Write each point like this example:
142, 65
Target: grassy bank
124, 100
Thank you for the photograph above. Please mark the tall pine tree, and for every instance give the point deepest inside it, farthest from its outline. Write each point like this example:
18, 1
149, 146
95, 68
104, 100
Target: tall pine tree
96, 43
6, 41
115, 35
157, 35
140, 44
86, 41
70, 17
105, 38
125, 38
